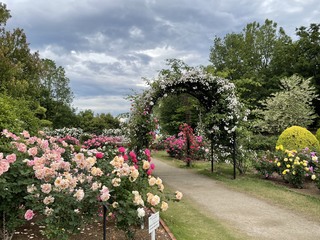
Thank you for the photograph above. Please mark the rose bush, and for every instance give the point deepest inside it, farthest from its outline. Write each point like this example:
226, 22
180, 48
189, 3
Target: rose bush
64, 189
292, 165
177, 146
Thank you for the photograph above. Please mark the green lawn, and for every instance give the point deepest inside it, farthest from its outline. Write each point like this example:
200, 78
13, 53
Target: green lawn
184, 219
187, 223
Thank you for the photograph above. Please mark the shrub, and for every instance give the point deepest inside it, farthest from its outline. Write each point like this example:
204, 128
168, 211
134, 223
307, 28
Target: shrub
318, 134
265, 165
261, 142
294, 166
295, 138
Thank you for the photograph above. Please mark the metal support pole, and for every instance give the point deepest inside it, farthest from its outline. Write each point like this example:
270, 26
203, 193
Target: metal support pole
211, 155
104, 222
234, 154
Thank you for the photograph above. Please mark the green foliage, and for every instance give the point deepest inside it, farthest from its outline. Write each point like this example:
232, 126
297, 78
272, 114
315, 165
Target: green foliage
265, 164
259, 142
318, 134
96, 123
292, 105
253, 57
296, 138
175, 110
307, 56
17, 115
24, 75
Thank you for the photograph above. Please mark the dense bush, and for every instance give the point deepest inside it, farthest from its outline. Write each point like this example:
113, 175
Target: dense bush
297, 138
318, 134
17, 115
261, 142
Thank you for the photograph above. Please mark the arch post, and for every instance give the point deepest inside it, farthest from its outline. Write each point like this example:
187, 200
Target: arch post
211, 155
234, 153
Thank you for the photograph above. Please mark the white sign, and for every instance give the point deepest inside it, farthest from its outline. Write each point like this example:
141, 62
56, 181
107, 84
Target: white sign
154, 222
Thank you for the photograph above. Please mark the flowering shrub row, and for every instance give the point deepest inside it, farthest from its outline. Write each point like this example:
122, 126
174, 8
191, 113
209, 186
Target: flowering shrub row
46, 180
294, 166
101, 141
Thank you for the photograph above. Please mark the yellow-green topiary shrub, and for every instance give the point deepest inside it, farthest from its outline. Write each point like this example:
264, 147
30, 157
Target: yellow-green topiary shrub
295, 138
318, 134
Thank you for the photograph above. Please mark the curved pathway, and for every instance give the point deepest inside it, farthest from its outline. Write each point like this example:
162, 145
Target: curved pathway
255, 218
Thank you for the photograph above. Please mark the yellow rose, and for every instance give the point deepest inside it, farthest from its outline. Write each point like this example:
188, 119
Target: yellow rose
152, 181
164, 206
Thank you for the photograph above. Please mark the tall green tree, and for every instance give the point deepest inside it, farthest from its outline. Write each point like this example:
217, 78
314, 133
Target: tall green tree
251, 58
307, 56
56, 95
25, 76
19, 68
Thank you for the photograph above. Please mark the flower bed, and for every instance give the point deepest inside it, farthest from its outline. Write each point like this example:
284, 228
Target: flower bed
295, 167
65, 189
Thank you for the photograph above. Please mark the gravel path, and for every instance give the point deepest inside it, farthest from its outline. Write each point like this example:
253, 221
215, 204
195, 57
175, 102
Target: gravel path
255, 218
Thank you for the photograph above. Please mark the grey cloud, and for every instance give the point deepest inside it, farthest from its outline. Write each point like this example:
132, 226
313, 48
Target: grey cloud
106, 47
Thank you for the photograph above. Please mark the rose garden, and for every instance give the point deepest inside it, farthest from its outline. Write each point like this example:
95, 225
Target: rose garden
64, 171
64, 184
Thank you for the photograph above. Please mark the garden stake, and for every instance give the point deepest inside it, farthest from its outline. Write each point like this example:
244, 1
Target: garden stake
104, 222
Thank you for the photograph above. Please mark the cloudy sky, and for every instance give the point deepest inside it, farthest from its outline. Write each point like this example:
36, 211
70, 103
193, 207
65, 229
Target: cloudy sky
107, 46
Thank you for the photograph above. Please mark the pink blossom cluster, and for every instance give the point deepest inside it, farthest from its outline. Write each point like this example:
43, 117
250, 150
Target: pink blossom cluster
177, 146
70, 140
101, 141
6, 161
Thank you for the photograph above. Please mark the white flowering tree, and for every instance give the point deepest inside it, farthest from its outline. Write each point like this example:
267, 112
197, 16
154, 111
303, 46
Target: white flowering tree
291, 106
217, 95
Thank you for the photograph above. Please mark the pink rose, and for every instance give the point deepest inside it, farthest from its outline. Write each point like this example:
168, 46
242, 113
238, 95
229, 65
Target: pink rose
4, 166
99, 155
122, 149
25, 134
33, 151
11, 158
147, 152
22, 147
132, 155
29, 214
152, 166
149, 172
